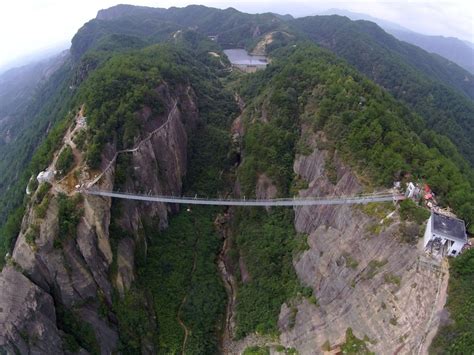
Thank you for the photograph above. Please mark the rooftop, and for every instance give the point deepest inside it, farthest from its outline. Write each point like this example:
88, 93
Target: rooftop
448, 227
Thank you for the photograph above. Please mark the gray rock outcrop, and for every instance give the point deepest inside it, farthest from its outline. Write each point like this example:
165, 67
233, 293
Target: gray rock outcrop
362, 277
51, 273
27, 316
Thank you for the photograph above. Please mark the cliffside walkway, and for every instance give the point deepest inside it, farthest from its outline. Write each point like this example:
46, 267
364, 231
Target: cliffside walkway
137, 147
297, 201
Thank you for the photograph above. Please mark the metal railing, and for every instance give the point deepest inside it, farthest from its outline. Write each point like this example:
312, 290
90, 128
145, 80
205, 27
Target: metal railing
295, 201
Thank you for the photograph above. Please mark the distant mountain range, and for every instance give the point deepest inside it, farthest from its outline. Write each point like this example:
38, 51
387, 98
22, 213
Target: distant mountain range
34, 57
439, 90
147, 102
17, 85
454, 49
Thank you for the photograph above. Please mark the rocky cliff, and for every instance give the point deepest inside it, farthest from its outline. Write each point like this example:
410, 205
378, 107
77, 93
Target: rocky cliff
54, 280
362, 275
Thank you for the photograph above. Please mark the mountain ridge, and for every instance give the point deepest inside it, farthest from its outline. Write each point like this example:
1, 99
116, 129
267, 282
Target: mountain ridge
103, 275
452, 48
407, 72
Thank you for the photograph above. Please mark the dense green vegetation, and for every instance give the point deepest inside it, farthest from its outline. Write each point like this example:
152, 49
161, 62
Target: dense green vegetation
179, 276
115, 92
458, 337
182, 277
136, 320
126, 83
436, 89
48, 106
266, 242
78, 334
69, 213
9, 232
354, 345
394, 54
269, 148
370, 130
142, 26
366, 125
65, 160
13, 202
177, 283
409, 210
177, 286
256, 350
46, 113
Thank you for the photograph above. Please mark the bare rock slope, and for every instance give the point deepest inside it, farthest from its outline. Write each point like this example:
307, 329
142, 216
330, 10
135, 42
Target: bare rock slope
51, 274
362, 275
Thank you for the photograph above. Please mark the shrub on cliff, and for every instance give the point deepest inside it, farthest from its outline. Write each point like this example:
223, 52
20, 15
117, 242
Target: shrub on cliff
65, 161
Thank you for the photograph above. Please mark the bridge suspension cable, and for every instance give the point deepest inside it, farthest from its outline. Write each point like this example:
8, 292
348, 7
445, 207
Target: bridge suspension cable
297, 201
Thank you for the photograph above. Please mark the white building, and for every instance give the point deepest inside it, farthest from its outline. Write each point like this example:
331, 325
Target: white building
412, 191
444, 235
81, 122
45, 176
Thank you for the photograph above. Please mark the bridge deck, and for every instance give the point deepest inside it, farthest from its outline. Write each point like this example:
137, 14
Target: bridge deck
309, 201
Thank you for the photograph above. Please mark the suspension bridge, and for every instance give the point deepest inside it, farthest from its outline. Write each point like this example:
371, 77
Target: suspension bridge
296, 201
89, 188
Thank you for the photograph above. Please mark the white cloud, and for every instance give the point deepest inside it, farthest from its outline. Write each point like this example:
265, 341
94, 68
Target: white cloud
454, 18
30, 25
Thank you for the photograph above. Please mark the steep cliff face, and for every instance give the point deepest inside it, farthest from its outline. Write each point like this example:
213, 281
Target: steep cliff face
74, 255
156, 171
362, 275
26, 309
54, 280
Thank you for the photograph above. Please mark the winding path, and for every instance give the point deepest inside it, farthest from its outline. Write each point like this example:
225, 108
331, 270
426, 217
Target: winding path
137, 147
295, 201
183, 302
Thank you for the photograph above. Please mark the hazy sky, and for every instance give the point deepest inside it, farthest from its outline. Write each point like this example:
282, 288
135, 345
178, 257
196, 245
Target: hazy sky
27, 26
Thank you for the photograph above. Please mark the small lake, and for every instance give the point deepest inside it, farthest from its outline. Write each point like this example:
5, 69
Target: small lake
241, 57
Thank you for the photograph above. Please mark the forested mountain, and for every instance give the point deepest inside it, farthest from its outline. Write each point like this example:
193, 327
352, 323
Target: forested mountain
123, 28
428, 83
232, 28
457, 51
147, 103
18, 85
451, 48
118, 29
34, 99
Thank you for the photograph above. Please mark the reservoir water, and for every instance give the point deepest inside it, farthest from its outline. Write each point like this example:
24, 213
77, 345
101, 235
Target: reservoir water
241, 57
